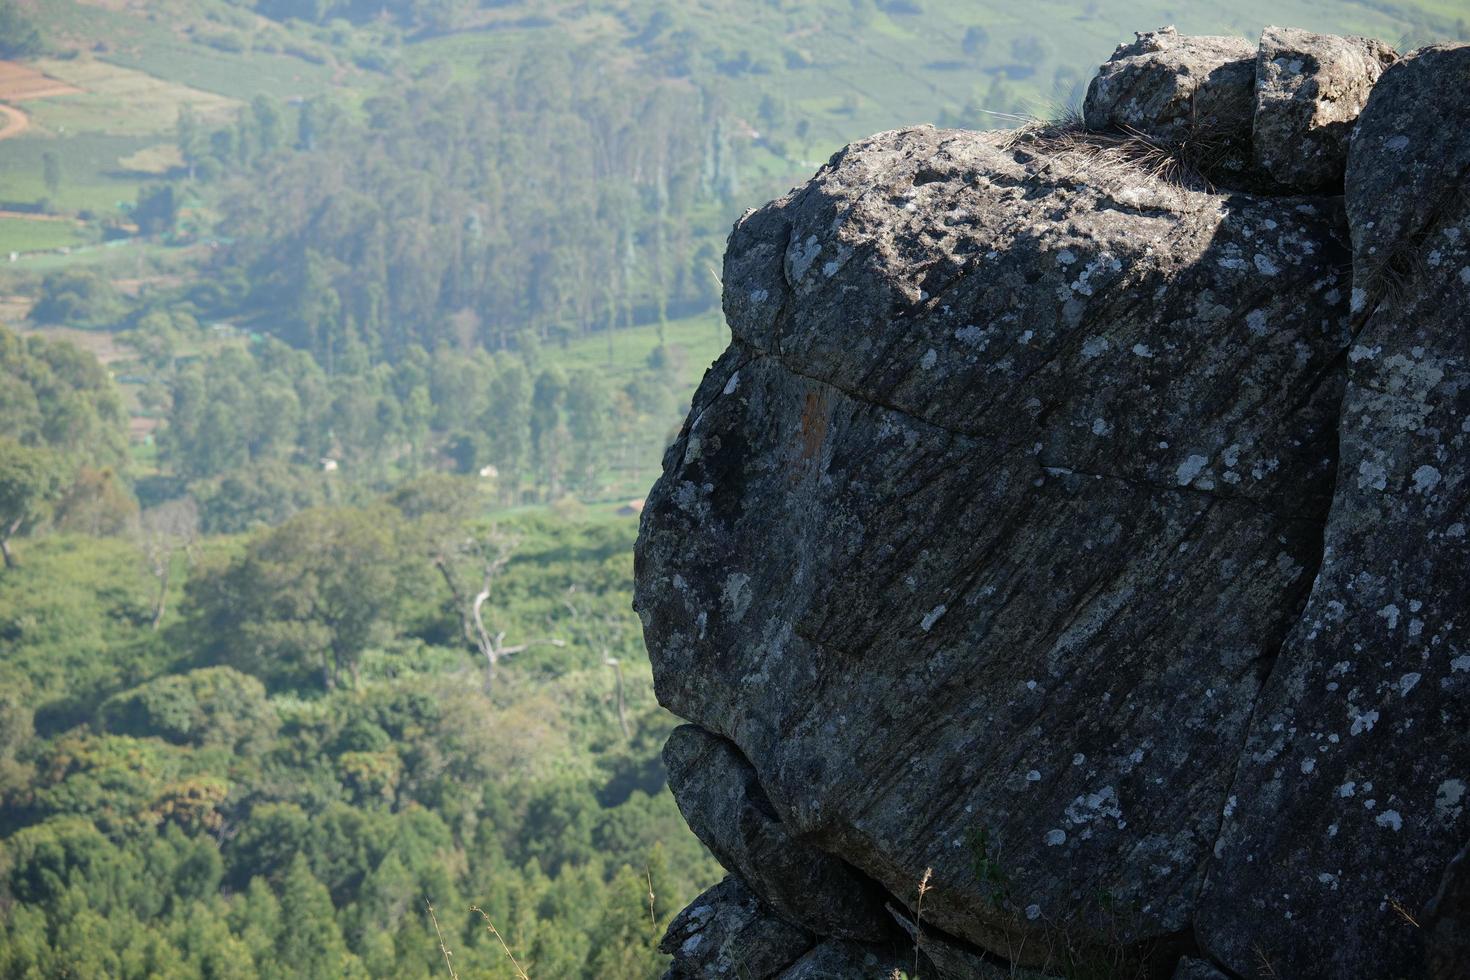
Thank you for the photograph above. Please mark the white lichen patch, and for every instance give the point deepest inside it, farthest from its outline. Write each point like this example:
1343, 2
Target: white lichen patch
1371, 476
1094, 347
1090, 807
735, 594
1190, 469
1426, 478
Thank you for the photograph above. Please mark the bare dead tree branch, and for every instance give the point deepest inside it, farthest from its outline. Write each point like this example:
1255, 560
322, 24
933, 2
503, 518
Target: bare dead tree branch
488, 556
165, 530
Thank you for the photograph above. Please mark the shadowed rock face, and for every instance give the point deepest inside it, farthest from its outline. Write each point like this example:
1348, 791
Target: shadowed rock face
1008, 540
1354, 777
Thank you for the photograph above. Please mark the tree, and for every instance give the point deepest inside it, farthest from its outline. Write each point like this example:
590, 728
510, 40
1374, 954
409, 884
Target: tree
481, 560
54, 394
605, 632
78, 297
19, 36
98, 502
270, 127
165, 530
310, 944
507, 421
157, 210
589, 417
190, 138
51, 172
314, 590
30, 479
549, 434
975, 41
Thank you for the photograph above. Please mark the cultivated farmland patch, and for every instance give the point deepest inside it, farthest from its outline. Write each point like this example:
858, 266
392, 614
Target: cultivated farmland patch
119, 101
21, 82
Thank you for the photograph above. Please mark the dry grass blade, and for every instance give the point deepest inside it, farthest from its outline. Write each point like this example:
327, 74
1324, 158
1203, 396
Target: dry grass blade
919, 916
1263, 965
1404, 913
442, 947
520, 973
652, 919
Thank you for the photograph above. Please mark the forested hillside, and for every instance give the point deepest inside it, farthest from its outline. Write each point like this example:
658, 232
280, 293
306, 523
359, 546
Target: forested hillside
339, 342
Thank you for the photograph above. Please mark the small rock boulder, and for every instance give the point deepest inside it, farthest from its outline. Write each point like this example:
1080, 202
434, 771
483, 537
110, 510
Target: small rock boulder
729, 932
1189, 94
722, 800
1310, 89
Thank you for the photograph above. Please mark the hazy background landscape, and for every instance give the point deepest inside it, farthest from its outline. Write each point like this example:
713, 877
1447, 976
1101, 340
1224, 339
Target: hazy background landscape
339, 342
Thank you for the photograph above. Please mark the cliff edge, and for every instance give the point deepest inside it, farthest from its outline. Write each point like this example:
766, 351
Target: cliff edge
1065, 570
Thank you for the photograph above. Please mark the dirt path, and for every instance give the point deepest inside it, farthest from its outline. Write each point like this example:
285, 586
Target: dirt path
32, 216
16, 122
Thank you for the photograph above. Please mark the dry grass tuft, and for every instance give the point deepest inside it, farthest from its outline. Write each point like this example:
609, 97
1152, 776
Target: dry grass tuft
1123, 153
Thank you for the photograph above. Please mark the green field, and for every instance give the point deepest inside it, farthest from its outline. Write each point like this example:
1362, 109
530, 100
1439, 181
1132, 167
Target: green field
699, 340
24, 235
91, 177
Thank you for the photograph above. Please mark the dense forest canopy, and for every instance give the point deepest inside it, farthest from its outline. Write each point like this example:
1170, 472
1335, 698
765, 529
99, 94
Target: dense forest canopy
555, 194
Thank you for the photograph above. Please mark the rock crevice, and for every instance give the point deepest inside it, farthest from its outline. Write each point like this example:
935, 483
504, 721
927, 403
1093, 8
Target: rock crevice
1087, 540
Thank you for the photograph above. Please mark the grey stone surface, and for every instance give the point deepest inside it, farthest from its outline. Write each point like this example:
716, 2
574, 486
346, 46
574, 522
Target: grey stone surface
981, 535
1447, 922
729, 932
1410, 166
1095, 542
1191, 968
1183, 91
1310, 89
838, 960
1351, 793
720, 797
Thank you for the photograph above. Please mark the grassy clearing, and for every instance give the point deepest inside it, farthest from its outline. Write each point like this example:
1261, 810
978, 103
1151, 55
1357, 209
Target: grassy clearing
234, 75
124, 258
168, 39
119, 101
699, 340
24, 235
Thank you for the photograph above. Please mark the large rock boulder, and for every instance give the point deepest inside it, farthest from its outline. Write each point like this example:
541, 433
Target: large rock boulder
1007, 556
1350, 798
